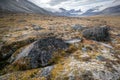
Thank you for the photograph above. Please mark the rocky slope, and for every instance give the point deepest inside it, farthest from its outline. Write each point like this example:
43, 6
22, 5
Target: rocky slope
23, 6
111, 9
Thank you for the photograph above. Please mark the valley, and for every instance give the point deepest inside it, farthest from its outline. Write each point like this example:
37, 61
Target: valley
44, 47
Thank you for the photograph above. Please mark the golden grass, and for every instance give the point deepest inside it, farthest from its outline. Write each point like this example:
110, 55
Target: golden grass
10, 22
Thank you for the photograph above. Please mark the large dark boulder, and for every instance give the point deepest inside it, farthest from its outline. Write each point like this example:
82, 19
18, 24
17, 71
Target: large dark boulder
39, 53
97, 33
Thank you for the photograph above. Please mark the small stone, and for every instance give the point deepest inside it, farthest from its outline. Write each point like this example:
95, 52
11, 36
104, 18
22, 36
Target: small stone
78, 27
27, 27
118, 35
36, 27
84, 49
20, 21
72, 41
46, 71
100, 58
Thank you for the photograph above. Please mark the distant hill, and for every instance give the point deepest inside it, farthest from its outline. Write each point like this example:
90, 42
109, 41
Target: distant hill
116, 1
23, 6
90, 12
114, 10
71, 12
111, 10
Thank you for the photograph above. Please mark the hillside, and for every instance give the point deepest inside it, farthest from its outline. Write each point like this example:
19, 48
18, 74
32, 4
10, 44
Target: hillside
115, 10
21, 6
111, 10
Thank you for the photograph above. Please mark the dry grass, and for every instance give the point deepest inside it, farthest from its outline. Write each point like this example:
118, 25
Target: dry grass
14, 24
13, 30
13, 33
13, 27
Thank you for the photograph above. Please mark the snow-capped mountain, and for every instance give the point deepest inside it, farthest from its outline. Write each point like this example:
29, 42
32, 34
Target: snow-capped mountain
71, 12
115, 10
92, 11
25, 6
112, 9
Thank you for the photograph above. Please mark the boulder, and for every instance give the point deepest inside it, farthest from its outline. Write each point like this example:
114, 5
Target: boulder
78, 27
45, 72
36, 27
97, 33
100, 58
118, 35
73, 41
7, 50
39, 53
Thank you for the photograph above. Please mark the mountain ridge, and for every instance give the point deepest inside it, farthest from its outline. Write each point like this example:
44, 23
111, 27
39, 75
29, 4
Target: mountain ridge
21, 6
113, 10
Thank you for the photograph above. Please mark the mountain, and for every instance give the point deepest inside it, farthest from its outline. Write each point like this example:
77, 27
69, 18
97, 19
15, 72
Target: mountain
116, 1
112, 10
71, 12
92, 11
75, 11
23, 6
62, 10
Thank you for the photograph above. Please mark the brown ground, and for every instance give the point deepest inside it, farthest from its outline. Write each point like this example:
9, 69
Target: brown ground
16, 29
16, 23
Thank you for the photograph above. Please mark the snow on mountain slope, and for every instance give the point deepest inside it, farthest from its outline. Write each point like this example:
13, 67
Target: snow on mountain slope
111, 9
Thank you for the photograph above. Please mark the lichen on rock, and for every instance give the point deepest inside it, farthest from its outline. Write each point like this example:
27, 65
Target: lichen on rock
40, 53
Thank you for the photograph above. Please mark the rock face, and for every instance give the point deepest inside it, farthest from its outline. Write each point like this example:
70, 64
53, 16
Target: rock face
40, 52
97, 33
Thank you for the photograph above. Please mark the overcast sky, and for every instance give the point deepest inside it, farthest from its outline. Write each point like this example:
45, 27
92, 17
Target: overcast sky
71, 4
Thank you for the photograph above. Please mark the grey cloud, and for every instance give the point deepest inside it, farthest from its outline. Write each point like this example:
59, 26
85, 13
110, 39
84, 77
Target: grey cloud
56, 2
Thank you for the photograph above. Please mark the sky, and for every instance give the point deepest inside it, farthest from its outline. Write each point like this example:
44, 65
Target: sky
84, 5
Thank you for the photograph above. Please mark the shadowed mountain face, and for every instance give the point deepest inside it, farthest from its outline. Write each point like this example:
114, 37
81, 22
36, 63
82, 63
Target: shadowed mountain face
115, 10
116, 1
90, 12
23, 6
112, 10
